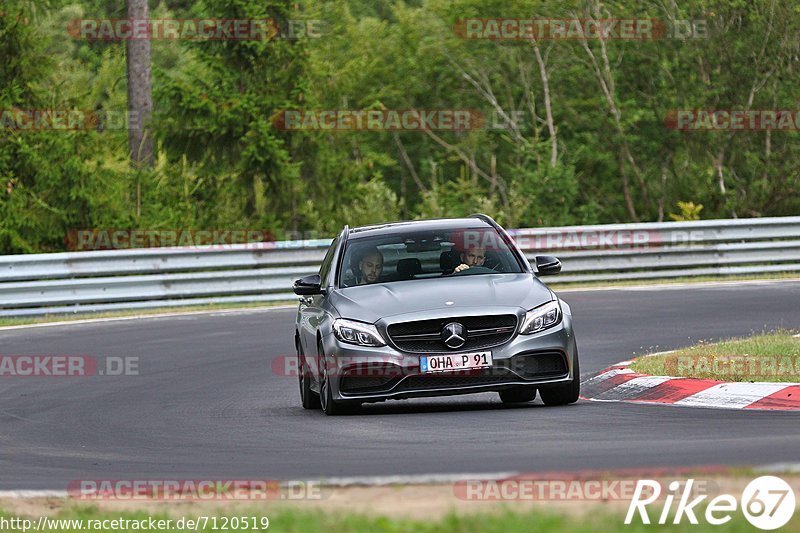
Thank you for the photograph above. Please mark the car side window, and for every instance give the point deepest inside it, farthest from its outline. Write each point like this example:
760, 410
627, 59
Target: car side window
325, 268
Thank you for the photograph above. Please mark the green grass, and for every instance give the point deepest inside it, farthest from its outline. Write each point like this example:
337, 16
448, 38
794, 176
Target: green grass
505, 521
765, 357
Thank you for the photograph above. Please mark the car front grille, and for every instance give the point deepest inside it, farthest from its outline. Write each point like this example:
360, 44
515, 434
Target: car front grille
526, 366
425, 336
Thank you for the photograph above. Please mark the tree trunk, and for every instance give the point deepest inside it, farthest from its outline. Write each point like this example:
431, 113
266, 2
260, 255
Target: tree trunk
551, 128
140, 97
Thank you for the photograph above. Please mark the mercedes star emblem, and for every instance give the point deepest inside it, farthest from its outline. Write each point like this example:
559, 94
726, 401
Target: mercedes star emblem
454, 335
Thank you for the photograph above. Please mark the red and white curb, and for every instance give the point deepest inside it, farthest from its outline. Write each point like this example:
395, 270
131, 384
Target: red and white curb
621, 384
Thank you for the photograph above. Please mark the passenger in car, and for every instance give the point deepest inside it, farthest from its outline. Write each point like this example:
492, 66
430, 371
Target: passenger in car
473, 255
370, 266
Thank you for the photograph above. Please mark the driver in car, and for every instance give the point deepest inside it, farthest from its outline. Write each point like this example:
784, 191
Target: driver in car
472, 256
370, 267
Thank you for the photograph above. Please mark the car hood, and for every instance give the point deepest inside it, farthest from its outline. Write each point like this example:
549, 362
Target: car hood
370, 303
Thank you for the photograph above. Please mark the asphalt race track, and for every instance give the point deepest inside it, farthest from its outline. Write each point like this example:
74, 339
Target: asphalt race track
207, 405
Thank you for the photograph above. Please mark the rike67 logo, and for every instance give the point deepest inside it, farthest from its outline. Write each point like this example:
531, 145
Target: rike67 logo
768, 503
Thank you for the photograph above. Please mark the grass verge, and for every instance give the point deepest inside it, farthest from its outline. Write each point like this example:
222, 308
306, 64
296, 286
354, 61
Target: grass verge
766, 357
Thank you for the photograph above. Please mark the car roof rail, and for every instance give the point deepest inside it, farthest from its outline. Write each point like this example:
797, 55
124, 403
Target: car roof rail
486, 218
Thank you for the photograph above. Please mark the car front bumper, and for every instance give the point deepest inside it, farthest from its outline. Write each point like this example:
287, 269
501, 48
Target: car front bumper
368, 374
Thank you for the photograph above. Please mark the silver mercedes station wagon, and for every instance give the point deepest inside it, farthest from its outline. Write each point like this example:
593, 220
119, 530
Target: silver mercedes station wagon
432, 308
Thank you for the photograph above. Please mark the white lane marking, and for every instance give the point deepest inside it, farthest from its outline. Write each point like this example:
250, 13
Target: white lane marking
658, 353
779, 468
606, 401
637, 385
421, 479
20, 494
732, 395
607, 375
243, 310
662, 286
354, 481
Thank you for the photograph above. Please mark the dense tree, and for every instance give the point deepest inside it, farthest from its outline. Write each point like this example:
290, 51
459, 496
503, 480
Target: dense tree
575, 131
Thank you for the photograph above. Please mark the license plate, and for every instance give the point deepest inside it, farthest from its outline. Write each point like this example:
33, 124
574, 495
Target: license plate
456, 361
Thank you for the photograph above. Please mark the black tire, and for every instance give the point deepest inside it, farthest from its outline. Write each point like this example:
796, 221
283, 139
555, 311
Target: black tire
518, 395
329, 406
564, 394
308, 397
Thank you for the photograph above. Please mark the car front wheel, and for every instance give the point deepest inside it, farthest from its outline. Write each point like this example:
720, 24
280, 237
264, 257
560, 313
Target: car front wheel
329, 406
308, 397
564, 394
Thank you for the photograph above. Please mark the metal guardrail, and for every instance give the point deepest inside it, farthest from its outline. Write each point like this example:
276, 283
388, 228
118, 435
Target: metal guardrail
75, 282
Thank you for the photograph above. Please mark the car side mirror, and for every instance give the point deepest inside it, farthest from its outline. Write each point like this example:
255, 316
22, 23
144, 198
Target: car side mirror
308, 285
547, 265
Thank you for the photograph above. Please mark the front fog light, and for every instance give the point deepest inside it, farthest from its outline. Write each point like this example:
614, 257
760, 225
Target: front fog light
541, 318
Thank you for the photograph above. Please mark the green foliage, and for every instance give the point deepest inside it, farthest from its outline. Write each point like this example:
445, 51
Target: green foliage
688, 211
223, 163
455, 199
52, 180
372, 202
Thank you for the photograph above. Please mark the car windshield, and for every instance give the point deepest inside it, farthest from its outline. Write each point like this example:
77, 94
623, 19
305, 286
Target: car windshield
413, 255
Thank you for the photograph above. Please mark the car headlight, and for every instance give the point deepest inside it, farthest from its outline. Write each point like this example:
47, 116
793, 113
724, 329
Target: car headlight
541, 318
357, 333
